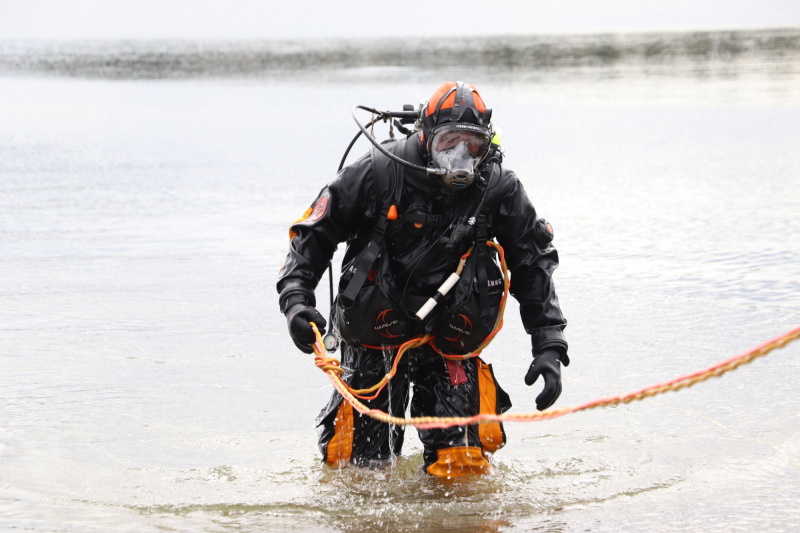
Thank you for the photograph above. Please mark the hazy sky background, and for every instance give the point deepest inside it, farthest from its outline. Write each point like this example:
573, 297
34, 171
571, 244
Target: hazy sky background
304, 19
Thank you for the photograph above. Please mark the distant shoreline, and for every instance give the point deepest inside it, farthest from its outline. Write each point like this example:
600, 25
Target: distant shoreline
176, 59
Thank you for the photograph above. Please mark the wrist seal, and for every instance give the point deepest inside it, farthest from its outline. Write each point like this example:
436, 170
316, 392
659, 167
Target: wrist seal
296, 298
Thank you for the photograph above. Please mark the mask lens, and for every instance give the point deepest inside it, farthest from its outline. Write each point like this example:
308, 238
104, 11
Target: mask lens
476, 143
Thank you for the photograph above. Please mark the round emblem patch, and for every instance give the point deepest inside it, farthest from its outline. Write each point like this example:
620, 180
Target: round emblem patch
388, 325
459, 331
319, 209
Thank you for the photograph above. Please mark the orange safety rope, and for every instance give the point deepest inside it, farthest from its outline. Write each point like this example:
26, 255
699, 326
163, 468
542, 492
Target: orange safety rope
429, 422
330, 364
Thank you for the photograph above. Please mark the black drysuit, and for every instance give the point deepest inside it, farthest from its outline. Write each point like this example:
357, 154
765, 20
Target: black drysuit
417, 254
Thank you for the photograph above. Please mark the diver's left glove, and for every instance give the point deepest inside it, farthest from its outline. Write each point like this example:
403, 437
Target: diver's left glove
547, 364
298, 316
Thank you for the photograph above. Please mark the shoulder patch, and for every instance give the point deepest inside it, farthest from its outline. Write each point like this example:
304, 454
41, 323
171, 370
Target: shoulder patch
320, 208
312, 214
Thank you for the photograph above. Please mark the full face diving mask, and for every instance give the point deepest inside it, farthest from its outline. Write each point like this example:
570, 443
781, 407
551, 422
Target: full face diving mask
459, 150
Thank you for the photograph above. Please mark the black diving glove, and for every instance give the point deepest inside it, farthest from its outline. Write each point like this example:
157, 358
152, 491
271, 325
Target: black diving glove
547, 364
298, 316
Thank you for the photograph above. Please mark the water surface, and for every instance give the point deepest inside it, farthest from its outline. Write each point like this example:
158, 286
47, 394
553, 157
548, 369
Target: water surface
148, 383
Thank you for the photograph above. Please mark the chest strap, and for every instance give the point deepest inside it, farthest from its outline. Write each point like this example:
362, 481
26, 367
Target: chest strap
481, 260
422, 218
388, 180
363, 264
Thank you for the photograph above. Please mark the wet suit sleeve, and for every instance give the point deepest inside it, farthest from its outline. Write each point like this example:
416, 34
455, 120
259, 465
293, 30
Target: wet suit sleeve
335, 216
532, 259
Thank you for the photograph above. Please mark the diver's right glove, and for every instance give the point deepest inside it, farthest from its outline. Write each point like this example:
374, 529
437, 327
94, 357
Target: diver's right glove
298, 316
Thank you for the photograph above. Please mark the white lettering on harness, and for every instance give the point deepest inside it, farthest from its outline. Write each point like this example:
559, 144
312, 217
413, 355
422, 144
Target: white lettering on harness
462, 331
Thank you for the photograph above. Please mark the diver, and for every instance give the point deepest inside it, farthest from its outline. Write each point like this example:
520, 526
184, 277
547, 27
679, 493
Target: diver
412, 212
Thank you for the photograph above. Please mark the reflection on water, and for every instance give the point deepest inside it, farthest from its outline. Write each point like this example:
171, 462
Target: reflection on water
699, 54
